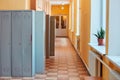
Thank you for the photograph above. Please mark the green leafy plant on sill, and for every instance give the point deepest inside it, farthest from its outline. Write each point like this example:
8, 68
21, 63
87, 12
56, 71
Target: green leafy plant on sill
100, 34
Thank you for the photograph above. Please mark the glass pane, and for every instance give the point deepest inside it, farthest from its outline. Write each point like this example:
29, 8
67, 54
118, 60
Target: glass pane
63, 22
57, 22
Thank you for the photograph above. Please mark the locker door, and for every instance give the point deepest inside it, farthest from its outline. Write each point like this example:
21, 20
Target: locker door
47, 31
5, 43
17, 20
39, 41
27, 42
52, 35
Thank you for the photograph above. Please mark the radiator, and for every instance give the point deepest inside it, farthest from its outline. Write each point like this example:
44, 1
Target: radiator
114, 75
94, 65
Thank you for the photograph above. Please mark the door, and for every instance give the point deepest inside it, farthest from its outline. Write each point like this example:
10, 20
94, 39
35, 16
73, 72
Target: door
5, 43
22, 44
17, 44
61, 25
26, 43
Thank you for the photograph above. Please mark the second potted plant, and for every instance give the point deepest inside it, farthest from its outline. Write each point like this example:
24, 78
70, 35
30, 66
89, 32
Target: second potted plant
100, 36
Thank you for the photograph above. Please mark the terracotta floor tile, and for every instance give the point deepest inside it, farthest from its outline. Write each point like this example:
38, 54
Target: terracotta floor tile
63, 76
52, 70
39, 79
51, 78
74, 78
72, 70
42, 76
51, 74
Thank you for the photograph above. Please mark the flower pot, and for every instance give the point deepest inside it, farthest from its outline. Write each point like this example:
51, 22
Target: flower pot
100, 42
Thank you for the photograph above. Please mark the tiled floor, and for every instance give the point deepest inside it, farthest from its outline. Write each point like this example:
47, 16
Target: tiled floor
65, 65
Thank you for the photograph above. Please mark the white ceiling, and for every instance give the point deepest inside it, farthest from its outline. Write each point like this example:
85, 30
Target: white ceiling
59, 2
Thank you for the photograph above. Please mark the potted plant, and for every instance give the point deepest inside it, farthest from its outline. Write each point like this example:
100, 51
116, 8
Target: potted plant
100, 36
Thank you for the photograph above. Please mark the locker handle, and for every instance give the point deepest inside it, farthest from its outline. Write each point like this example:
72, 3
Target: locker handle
31, 38
19, 43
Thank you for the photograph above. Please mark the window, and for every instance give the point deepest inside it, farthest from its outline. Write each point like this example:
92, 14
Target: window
114, 28
103, 6
98, 17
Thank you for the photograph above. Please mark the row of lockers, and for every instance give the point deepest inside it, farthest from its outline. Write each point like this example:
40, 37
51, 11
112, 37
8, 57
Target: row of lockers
22, 43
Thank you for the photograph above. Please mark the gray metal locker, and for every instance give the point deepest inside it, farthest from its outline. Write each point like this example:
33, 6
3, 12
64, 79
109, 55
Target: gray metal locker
22, 43
5, 43
47, 35
39, 41
52, 36
22, 54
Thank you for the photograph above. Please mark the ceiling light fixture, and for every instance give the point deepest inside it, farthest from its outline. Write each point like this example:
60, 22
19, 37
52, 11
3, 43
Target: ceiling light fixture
62, 7
63, 3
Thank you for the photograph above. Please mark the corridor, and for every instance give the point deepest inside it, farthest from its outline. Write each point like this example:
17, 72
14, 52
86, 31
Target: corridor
65, 65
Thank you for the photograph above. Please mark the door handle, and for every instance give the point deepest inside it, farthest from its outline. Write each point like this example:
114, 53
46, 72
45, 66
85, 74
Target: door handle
20, 43
30, 40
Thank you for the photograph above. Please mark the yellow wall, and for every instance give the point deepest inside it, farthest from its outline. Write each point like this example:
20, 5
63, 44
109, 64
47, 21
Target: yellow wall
41, 5
14, 4
56, 10
85, 30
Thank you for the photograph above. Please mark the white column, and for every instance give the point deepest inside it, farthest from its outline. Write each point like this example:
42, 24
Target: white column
78, 18
72, 29
70, 18
26, 4
49, 8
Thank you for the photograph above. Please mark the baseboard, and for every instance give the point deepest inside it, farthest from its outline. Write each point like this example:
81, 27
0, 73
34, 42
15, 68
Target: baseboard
85, 65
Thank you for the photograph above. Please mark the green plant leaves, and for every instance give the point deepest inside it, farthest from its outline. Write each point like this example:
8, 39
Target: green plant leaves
100, 34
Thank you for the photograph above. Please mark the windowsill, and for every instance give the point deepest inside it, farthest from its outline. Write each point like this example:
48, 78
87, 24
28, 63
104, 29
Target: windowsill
99, 49
115, 60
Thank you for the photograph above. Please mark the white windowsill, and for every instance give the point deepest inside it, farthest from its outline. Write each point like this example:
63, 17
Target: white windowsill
115, 60
99, 49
